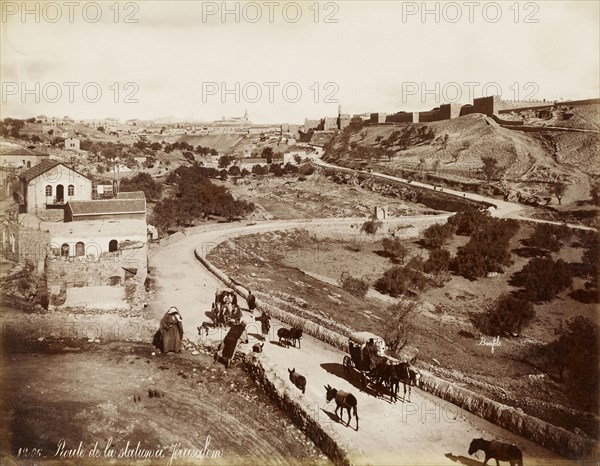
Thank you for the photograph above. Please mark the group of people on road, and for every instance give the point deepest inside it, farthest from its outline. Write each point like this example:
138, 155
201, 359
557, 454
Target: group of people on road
169, 336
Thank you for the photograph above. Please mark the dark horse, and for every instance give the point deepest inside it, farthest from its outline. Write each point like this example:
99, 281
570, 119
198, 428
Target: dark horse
297, 379
343, 400
393, 374
498, 451
292, 335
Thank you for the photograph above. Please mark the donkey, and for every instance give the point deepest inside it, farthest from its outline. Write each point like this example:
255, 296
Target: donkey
296, 336
498, 451
343, 400
408, 375
297, 379
289, 336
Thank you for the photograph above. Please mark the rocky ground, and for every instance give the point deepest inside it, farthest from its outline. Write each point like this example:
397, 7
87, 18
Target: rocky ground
108, 393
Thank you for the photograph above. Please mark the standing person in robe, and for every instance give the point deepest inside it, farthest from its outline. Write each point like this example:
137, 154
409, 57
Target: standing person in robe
171, 329
251, 300
265, 324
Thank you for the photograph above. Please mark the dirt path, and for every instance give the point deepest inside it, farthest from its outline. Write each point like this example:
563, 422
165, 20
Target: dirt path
427, 431
503, 209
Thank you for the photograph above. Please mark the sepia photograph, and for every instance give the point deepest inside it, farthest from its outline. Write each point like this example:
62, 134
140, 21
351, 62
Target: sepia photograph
351, 232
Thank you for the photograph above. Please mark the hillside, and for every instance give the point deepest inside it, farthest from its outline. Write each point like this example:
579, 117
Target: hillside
223, 143
453, 149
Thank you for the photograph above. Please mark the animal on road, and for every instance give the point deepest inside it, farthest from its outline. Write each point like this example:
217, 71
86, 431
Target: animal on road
287, 336
343, 400
392, 375
297, 379
498, 451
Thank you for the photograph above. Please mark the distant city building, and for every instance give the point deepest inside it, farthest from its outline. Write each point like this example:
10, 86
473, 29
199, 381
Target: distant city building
72, 144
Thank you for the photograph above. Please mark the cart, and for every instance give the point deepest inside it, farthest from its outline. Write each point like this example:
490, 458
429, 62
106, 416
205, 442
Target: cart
225, 310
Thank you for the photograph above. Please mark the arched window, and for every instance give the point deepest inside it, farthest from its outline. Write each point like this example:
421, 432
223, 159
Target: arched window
64, 250
29, 164
113, 245
49, 190
71, 190
114, 281
80, 249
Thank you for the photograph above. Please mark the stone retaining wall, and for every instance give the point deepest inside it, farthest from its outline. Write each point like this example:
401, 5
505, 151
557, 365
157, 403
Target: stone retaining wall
301, 413
552, 437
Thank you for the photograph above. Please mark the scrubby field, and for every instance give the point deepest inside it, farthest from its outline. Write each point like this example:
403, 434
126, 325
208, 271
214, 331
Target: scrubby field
299, 272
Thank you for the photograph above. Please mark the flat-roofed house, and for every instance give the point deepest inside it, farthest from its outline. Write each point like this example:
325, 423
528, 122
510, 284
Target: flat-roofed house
106, 209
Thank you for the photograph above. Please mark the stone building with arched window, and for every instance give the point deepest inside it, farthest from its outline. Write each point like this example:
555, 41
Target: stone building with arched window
50, 185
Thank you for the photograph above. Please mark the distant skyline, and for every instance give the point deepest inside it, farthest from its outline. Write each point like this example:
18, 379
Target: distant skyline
187, 61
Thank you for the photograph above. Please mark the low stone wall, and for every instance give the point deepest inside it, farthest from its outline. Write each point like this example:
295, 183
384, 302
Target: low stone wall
552, 437
298, 410
338, 340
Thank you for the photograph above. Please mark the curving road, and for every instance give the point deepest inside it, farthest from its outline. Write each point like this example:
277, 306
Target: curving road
428, 431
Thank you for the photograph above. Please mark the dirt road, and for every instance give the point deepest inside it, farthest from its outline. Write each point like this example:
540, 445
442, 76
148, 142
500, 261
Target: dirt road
426, 431
503, 209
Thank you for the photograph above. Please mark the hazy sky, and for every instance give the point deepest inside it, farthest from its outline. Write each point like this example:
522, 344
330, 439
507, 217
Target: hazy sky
284, 61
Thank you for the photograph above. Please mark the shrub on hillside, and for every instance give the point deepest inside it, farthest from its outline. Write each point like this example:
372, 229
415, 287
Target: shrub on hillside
401, 281
507, 315
574, 357
467, 222
548, 237
401, 325
354, 286
142, 182
438, 262
395, 248
543, 278
371, 226
436, 235
487, 250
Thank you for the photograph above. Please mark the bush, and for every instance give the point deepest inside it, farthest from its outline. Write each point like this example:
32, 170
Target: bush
548, 237
542, 278
354, 286
436, 235
395, 248
142, 182
576, 352
487, 250
401, 325
371, 226
401, 280
467, 222
507, 315
438, 262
